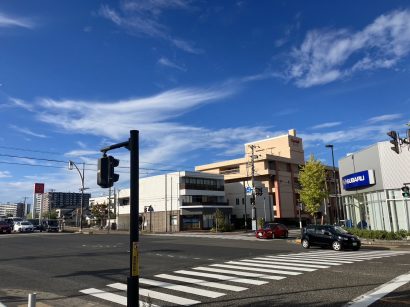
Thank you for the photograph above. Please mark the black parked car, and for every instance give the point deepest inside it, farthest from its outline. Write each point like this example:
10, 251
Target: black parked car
329, 236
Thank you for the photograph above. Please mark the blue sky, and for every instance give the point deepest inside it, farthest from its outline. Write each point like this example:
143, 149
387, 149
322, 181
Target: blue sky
198, 79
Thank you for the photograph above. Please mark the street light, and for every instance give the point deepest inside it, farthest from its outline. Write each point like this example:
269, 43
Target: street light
336, 185
70, 167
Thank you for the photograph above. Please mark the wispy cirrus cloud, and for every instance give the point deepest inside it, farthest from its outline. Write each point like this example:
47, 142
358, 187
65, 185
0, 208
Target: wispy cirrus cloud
143, 18
28, 131
384, 118
168, 63
9, 21
5, 174
327, 125
156, 119
372, 130
332, 54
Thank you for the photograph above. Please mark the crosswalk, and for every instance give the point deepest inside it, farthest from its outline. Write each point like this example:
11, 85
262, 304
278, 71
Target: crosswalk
190, 286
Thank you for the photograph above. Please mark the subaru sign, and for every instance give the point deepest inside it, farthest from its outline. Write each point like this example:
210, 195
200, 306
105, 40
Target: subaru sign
358, 180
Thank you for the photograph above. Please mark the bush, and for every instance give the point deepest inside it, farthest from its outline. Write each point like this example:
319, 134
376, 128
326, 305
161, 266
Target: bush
379, 234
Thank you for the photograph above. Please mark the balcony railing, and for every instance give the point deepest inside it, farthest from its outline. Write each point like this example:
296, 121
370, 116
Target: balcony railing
202, 187
204, 204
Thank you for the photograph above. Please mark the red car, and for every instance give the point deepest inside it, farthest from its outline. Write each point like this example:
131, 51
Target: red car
4, 227
272, 230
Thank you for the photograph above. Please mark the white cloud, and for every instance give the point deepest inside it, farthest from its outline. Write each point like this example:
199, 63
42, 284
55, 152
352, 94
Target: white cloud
168, 63
384, 118
329, 55
143, 18
327, 125
7, 21
5, 174
28, 131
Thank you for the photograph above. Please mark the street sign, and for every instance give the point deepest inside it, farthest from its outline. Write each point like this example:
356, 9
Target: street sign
249, 190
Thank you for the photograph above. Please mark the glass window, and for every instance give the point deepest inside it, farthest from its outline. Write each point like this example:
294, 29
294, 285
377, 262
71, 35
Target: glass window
237, 201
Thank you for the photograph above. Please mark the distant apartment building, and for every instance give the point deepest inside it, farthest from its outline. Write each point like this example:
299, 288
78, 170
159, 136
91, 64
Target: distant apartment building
173, 202
15, 210
59, 200
275, 164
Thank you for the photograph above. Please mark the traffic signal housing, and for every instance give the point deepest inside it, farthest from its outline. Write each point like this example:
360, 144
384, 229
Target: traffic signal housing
394, 141
406, 191
113, 164
105, 173
102, 172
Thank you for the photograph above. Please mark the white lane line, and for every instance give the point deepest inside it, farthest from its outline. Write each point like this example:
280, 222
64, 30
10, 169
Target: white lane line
377, 293
272, 261
247, 268
180, 288
240, 273
201, 282
302, 261
270, 266
115, 298
223, 277
157, 295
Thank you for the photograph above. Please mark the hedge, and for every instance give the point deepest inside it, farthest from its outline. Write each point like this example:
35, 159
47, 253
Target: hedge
379, 234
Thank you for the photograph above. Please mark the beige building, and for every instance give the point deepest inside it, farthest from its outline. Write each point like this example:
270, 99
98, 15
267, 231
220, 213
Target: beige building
275, 164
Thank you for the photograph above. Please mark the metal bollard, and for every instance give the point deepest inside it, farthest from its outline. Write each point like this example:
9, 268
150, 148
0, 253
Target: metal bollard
32, 300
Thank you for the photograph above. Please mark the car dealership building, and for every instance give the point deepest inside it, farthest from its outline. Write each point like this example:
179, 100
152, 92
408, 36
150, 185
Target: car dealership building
371, 181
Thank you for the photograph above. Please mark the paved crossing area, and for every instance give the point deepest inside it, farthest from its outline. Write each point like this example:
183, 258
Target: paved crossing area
187, 287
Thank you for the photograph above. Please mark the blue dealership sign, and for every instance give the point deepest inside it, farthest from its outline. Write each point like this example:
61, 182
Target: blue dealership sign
358, 180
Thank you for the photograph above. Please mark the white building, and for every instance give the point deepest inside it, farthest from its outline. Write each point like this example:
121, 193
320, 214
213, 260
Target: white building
179, 201
371, 181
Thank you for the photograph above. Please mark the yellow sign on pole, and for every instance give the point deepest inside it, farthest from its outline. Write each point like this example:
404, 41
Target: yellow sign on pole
135, 263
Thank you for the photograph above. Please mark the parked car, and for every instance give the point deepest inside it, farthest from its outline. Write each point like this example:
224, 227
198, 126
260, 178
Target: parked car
36, 224
272, 230
329, 236
24, 226
5, 227
12, 220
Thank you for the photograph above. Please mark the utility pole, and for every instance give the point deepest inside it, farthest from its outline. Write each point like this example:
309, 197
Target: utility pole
253, 198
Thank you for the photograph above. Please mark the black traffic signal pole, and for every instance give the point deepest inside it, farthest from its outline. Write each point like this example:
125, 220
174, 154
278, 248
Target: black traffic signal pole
133, 279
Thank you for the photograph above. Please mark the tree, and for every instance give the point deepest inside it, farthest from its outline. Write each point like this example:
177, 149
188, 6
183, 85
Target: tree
312, 178
51, 215
100, 211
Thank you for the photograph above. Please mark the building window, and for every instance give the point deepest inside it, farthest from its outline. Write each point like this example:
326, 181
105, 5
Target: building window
237, 201
243, 201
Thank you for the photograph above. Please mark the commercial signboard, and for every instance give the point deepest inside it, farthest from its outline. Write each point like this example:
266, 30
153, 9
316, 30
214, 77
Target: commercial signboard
358, 180
39, 188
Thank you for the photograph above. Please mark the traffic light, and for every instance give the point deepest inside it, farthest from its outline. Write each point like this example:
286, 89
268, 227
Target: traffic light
406, 191
394, 141
113, 163
105, 173
253, 200
102, 172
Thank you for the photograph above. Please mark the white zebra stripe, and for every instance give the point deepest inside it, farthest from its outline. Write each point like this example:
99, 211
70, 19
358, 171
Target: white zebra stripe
246, 268
201, 282
223, 277
272, 266
268, 261
158, 295
180, 288
240, 273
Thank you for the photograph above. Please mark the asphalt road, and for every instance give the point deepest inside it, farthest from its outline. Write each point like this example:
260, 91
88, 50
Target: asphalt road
58, 266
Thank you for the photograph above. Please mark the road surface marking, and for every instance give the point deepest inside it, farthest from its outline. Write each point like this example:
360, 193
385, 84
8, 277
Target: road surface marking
271, 266
285, 259
240, 273
377, 293
157, 295
247, 268
269, 261
223, 277
201, 282
119, 299
180, 288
